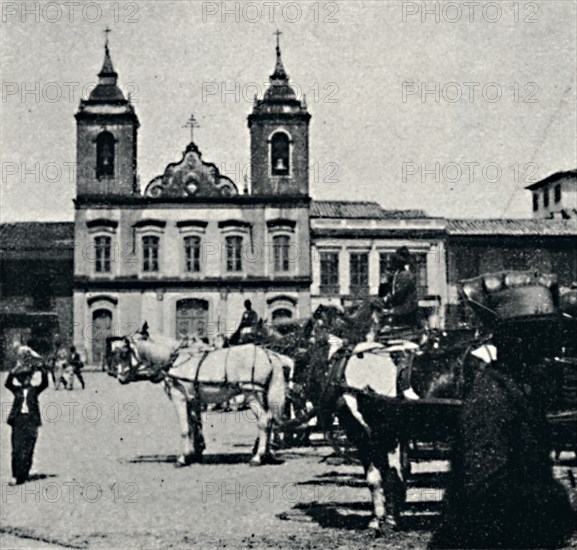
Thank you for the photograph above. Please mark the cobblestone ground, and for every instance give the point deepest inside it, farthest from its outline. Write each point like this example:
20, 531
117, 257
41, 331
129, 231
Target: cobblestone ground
104, 478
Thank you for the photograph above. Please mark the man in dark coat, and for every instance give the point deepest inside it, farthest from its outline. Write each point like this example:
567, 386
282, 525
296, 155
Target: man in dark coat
77, 365
503, 493
397, 304
247, 324
401, 299
24, 419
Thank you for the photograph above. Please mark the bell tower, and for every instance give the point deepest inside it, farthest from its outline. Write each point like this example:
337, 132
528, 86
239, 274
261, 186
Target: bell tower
106, 138
279, 138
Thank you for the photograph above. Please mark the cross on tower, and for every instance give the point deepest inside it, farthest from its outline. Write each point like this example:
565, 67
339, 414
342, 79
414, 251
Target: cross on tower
192, 124
106, 31
278, 33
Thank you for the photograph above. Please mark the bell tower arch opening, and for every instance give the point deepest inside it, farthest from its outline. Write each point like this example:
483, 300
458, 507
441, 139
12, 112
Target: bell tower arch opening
280, 153
105, 155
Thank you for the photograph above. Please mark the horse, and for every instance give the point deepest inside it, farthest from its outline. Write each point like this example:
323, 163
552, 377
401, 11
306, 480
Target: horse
288, 338
342, 373
200, 374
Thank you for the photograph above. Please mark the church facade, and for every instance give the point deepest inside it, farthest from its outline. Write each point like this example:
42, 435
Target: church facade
186, 252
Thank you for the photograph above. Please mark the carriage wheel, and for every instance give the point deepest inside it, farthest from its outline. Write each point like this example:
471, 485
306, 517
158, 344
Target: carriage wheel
341, 445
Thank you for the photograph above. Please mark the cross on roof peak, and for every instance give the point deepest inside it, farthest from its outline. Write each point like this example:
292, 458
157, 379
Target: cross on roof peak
277, 33
106, 32
191, 123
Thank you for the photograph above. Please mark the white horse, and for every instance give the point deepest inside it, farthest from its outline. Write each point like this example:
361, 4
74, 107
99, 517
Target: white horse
201, 374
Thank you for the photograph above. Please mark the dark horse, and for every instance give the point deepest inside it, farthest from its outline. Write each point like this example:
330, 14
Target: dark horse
342, 372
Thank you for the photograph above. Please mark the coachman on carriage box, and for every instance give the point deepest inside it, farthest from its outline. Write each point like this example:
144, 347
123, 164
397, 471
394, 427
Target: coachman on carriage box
503, 493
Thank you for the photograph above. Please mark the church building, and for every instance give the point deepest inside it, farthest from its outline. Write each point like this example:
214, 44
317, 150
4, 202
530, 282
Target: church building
186, 252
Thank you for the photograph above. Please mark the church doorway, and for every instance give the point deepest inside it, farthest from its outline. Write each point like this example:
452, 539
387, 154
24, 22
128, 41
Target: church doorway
101, 330
191, 318
281, 314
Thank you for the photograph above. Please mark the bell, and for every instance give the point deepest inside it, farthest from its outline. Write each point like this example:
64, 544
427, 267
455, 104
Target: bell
280, 164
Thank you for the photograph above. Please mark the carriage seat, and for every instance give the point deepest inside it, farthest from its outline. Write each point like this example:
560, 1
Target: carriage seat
508, 295
402, 345
363, 347
405, 333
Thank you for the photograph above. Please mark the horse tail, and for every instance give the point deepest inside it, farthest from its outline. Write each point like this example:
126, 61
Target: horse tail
276, 393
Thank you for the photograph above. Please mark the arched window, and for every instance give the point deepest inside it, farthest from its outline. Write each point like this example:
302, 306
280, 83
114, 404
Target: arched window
105, 155
280, 154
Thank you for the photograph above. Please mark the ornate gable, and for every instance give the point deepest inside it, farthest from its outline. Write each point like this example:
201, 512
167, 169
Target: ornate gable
191, 177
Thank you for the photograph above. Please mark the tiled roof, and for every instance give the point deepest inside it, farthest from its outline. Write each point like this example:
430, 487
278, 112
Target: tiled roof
553, 178
36, 235
360, 209
513, 227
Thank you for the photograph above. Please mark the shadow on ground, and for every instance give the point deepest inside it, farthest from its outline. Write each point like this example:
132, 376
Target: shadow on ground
207, 459
355, 515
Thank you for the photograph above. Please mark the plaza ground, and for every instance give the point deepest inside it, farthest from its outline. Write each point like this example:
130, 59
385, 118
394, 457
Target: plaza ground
104, 478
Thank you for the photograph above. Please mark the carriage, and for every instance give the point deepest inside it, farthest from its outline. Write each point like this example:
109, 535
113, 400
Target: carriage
426, 428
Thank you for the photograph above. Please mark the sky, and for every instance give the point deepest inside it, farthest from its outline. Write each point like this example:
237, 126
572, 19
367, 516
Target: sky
452, 107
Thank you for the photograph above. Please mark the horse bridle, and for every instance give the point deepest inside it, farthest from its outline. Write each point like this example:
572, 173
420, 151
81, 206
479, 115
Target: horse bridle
137, 365
134, 360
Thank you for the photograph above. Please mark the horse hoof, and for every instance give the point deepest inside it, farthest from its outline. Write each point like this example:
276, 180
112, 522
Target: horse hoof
390, 522
268, 460
382, 526
255, 462
183, 461
374, 525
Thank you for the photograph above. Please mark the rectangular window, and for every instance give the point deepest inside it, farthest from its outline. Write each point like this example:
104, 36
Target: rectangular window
545, 198
421, 275
535, 202
150, 246
192, 254
359, 270
102, 247
557, 193
329, 263
281, 253
384, 259
234, 254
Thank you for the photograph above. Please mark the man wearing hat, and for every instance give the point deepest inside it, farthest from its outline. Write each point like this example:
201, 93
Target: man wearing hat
24, 418
247, 325
401, 308
503, 493
401, 299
